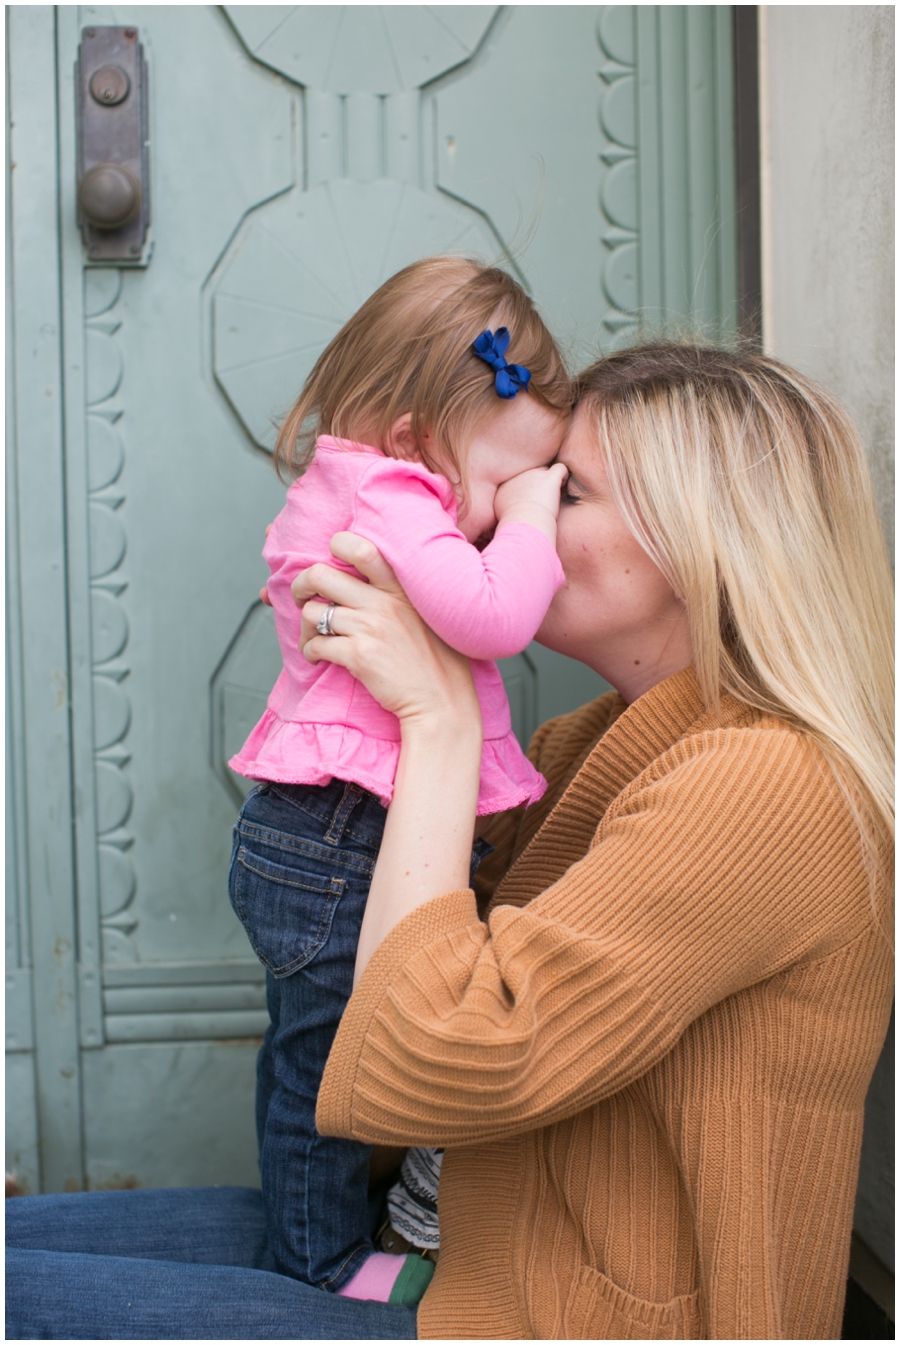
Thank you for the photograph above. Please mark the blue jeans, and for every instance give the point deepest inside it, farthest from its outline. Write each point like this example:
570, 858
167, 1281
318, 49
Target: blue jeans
300, 871
301, 867
180, 1264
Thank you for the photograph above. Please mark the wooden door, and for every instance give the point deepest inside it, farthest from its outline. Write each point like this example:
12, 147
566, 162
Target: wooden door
298, 156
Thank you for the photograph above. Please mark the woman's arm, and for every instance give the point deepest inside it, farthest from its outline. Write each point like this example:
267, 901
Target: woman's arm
710, 879
427, 841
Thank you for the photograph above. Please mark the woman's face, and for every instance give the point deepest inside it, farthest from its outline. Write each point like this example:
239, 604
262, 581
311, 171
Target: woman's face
616, 612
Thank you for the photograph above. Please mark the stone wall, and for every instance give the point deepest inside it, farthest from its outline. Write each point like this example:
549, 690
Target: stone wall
827, 167
827, 124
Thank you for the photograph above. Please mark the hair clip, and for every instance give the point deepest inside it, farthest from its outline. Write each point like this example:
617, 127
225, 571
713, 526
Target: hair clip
508, 378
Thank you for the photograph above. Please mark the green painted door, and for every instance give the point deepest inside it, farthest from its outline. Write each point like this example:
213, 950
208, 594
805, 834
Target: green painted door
298, 156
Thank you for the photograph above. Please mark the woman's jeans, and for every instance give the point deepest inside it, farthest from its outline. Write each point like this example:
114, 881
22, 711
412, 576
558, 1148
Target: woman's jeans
301, 867
181, 1264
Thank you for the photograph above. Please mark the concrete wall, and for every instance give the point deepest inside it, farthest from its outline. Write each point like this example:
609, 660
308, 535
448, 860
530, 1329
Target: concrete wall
827, 128
827, 159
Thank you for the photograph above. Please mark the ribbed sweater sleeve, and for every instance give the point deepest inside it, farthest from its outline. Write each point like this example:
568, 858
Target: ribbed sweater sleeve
486, 604
729, 858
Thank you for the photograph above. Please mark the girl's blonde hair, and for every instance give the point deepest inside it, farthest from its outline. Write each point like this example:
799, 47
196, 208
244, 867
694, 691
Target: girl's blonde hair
748, 487
409, 349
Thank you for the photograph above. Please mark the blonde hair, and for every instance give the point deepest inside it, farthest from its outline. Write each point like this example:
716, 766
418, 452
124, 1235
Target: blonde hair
747, 485
409, 349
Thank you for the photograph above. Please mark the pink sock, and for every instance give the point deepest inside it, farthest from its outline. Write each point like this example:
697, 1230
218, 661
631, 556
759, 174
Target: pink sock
375, 1278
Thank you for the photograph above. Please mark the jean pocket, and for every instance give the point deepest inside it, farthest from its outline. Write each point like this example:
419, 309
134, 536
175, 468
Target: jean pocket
286, 911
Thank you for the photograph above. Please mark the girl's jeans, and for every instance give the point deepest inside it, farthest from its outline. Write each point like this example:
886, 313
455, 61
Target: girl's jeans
301, 867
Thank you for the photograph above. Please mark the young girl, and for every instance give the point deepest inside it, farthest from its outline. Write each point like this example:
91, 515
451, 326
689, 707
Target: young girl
425, 440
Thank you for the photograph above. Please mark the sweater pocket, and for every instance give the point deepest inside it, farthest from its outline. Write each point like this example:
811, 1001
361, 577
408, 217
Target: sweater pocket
597, 1309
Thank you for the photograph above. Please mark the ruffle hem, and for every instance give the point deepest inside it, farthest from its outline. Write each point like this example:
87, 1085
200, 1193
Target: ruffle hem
292, 753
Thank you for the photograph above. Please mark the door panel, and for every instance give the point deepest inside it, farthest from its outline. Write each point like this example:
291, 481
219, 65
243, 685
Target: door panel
299, 156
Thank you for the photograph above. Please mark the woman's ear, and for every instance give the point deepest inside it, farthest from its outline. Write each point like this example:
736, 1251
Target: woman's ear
399, 442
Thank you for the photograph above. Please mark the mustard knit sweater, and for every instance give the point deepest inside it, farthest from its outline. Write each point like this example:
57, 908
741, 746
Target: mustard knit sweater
648, 1062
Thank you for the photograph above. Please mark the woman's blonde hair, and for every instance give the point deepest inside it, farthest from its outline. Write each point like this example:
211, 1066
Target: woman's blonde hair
409, 349
749, 488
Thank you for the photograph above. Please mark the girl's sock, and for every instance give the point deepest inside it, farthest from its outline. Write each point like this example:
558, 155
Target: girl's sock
390, 1279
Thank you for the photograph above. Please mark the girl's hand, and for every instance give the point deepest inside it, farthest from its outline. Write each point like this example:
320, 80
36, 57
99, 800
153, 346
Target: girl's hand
381, 639
532, 497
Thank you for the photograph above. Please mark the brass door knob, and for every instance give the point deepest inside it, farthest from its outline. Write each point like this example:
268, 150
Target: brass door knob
109, 196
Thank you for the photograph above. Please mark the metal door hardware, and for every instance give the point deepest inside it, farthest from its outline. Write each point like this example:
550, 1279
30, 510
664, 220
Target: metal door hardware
113, 159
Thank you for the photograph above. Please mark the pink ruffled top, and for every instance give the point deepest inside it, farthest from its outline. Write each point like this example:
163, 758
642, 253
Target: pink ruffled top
320, 722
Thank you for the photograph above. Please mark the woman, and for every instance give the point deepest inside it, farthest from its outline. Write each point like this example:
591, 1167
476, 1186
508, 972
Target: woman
647, 1059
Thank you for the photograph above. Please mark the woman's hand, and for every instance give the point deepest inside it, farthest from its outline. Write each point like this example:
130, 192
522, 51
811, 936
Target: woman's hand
380, 638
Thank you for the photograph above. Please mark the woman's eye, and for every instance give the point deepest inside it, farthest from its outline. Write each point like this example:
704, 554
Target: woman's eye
566, 496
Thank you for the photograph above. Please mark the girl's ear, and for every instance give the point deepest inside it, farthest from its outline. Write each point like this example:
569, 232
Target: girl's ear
399, 441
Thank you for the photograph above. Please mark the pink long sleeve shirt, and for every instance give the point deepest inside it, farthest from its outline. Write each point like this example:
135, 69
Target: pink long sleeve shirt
320, 722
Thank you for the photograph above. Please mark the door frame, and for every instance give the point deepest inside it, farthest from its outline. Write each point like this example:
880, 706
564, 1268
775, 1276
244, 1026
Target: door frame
43, 983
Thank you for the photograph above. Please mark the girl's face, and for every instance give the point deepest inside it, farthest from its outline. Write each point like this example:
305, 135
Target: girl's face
520, 435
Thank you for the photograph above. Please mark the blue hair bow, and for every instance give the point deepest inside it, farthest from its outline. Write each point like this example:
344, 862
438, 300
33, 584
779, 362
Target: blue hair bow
508, 378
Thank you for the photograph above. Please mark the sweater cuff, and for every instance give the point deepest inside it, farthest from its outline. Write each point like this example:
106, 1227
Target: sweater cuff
335, 1109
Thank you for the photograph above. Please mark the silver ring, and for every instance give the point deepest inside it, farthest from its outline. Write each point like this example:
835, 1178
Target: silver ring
323, 625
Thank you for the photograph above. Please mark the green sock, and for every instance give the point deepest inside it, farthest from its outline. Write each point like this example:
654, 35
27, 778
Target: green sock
413, 1280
